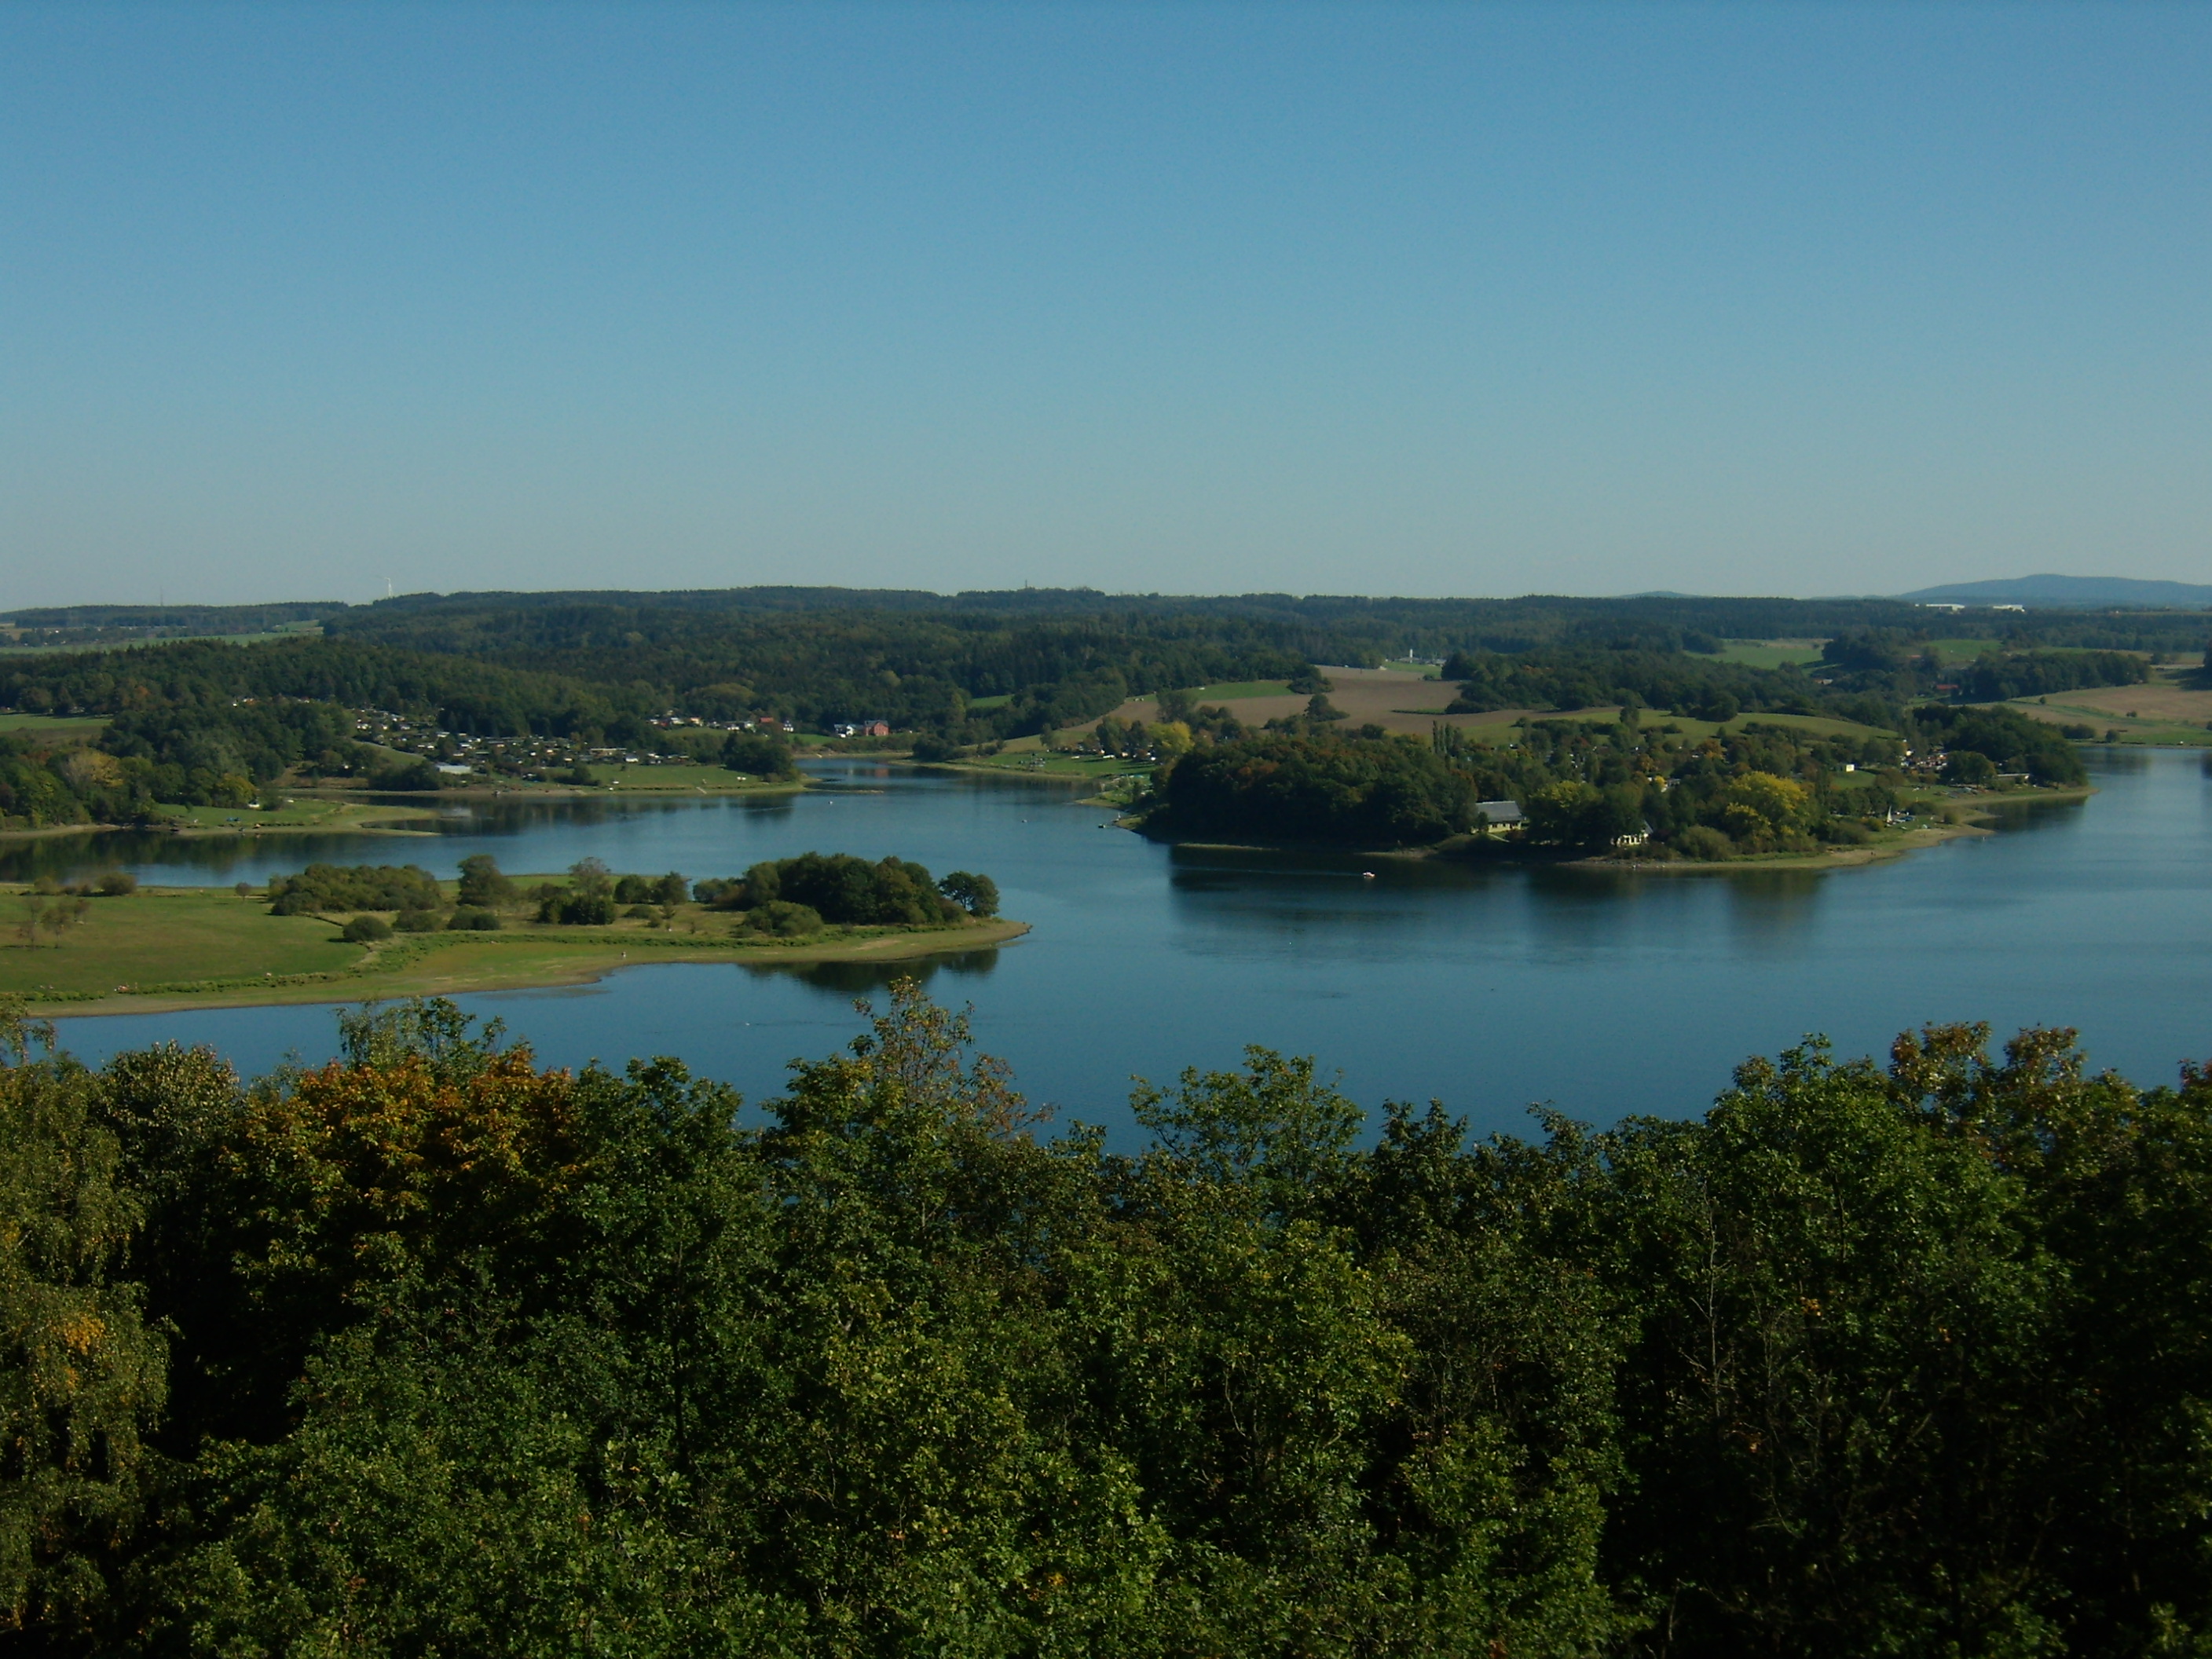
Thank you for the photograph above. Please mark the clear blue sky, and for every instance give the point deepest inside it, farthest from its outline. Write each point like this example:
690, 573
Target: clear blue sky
1477, 299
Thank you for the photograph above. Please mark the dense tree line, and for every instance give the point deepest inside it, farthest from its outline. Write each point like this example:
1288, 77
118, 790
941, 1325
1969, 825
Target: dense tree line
916, 670
1755, 787
1996, 676
1891, 667
1903, 666
479, 698
44, 784
2009, 740
213, 723
1360, 791
1586, 677
1354, 628
197, 753
432, 1350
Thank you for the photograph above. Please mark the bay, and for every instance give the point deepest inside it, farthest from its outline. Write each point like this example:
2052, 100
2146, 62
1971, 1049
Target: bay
1603, 992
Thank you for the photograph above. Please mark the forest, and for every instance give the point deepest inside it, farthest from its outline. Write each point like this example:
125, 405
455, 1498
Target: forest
433, 1350
209, 722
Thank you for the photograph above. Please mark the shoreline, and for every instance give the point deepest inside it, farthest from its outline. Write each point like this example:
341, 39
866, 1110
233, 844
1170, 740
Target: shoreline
1854, 856
454, 964
355, 816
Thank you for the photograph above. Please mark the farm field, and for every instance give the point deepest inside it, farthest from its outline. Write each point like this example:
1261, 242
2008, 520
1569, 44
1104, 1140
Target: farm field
1399, 702
1770, 654
2162, 712
1394, 699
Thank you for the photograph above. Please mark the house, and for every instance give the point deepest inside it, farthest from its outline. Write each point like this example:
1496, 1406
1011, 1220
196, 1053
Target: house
875, 728
1501, 814
1635, 837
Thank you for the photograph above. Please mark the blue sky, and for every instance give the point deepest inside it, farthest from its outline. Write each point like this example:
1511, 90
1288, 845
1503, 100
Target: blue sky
1483, 299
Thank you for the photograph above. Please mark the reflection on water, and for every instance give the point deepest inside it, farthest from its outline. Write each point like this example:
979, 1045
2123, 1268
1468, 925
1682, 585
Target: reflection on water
1488, 985
866, 978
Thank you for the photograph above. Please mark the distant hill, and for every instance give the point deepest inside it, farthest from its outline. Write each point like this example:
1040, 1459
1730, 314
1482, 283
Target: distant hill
2069, 592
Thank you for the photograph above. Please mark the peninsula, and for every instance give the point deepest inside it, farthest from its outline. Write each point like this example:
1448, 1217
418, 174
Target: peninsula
380, 932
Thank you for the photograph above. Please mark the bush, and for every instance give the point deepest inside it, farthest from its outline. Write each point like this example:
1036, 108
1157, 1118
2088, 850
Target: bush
578, 910
355, 887
470, 919
114, 884
782, 919
721, 892
1702, 841
588, 901
670, 888
931, 747
366, 930
417, 921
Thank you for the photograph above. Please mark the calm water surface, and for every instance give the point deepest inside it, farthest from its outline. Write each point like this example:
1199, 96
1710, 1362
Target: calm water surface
1602, 992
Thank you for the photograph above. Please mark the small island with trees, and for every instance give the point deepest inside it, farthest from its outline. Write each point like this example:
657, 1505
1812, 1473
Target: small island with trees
333, 932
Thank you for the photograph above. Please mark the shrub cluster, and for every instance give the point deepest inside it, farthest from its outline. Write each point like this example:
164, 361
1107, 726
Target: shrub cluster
323, 887
839, 888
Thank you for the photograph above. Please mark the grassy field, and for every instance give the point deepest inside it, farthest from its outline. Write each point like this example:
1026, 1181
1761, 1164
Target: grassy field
312, 812
1240, 690
1770, 654
166, 936
74, 728
688, 780
202, 947
1694, 730
1032, 760
2161, 714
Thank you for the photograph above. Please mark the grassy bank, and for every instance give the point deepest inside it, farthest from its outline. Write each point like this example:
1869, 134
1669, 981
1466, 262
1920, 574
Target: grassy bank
168, 948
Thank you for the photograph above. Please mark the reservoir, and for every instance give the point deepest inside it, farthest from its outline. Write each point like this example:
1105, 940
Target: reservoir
1602, 992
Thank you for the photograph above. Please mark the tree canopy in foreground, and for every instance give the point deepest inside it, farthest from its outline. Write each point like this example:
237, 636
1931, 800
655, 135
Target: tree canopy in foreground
433, 1350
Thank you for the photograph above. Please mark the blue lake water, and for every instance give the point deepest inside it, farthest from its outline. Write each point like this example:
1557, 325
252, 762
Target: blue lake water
1488, 988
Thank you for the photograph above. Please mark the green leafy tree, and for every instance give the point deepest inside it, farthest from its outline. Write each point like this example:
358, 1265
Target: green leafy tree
977, 894
762, 753
482, 883
82, 1375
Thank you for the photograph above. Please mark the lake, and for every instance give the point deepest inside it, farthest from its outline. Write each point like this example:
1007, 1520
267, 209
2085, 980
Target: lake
1603, 992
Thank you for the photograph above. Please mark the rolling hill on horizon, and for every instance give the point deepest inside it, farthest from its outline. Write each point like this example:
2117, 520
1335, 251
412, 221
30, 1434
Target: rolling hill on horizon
2067, 592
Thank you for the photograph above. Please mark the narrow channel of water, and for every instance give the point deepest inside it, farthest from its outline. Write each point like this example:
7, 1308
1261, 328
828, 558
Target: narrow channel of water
1604, 993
